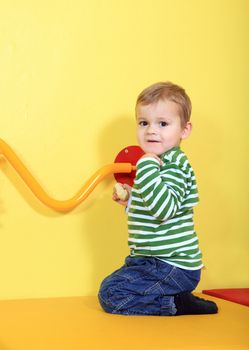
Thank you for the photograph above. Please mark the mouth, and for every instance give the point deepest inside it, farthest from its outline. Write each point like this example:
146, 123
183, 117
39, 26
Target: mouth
153, 141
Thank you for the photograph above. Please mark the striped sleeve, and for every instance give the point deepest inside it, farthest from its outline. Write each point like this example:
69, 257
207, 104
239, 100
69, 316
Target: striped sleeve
162, 193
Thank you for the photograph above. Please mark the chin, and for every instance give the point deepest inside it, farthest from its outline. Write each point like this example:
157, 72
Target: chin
153, 150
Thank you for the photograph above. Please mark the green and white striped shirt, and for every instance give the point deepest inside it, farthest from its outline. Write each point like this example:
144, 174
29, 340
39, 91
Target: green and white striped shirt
160, 211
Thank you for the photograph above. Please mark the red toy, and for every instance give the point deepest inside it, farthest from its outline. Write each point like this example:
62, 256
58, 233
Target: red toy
130, 154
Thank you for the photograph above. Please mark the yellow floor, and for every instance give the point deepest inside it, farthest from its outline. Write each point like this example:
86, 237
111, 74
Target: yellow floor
79, 323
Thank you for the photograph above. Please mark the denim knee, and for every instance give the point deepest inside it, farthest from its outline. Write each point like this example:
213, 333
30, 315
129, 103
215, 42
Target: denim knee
126, 284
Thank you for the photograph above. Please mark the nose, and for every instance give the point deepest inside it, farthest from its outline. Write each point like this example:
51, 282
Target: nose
151, 130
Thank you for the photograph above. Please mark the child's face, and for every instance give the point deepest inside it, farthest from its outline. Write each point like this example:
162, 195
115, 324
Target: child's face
159, 127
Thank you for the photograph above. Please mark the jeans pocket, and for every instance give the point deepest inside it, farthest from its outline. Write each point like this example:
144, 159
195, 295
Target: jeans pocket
180, 280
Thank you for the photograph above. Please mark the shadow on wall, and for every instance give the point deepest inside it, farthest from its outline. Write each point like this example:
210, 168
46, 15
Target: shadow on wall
105, 223
115, 136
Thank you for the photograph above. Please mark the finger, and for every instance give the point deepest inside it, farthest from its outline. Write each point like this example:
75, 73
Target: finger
127, 187
115, 197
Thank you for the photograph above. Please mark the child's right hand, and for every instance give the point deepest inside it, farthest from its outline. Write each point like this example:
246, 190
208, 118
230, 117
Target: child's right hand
121, 193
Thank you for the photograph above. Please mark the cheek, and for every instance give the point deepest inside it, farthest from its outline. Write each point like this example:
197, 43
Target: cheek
139, 134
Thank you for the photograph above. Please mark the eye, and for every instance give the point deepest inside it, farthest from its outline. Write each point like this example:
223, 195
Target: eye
163, 124
143, 123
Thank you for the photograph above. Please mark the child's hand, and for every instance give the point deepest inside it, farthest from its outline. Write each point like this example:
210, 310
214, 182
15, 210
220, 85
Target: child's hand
121, 193
152, 155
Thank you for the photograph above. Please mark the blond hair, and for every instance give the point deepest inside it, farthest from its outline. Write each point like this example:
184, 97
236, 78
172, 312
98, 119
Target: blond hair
167, 91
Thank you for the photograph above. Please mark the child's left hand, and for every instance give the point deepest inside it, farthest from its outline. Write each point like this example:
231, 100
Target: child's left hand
119, 191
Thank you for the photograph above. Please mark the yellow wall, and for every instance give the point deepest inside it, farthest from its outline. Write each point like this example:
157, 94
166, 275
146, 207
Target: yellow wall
70, 72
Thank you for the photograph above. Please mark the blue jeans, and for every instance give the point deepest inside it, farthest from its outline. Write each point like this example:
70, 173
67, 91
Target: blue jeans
145, 286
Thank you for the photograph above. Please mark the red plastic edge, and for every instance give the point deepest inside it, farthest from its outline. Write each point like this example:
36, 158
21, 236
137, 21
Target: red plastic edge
236, 295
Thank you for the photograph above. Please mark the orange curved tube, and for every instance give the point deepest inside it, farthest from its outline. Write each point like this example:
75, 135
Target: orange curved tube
58, 205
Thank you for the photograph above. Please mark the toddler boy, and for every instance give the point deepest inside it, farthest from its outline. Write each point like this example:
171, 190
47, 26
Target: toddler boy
164, 264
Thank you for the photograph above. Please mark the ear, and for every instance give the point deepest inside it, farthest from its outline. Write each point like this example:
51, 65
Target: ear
186, 131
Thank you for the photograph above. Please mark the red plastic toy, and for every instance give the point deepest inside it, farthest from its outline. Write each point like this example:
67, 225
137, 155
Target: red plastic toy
130, 154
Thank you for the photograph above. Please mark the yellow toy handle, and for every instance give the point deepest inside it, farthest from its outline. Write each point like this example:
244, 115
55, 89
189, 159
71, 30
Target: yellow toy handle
65, 205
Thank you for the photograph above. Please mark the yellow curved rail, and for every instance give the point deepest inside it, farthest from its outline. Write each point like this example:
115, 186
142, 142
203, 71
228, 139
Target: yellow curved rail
58, 205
